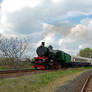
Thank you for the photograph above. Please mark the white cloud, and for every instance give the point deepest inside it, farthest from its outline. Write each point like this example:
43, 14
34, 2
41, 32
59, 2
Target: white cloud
80, 47
49, 39
60, 42
57, 1
14, 5
78, 30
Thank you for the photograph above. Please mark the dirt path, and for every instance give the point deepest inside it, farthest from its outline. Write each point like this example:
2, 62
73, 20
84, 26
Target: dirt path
51, 87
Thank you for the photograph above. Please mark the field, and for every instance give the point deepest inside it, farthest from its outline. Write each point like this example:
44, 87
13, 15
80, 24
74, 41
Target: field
8, 64
39, 82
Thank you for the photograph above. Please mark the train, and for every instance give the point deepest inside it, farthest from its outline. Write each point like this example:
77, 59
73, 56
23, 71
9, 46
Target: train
48, 58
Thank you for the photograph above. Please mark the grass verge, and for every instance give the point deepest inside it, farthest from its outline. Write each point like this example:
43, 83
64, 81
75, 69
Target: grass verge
37, 82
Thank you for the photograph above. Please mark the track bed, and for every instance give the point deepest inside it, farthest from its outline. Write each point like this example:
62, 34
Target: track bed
17, 73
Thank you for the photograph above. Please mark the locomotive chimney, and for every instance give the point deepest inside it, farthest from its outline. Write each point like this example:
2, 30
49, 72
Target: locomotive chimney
43, 43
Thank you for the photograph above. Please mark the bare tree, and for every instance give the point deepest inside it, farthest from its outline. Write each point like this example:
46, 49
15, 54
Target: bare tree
13, 48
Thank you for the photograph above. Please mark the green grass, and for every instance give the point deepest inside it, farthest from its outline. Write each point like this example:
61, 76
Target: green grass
2, 68
32, 83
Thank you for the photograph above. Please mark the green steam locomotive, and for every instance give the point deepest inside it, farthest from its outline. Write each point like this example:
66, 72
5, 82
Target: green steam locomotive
48, 58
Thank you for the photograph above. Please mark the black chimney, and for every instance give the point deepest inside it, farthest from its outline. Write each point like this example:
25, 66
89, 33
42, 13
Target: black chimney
43, 43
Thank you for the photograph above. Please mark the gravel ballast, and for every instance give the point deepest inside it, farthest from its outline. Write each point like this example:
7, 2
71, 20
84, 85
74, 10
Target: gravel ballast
75, 84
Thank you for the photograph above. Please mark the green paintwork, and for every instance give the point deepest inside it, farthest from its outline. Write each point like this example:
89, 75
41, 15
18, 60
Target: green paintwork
60, 56
67, 58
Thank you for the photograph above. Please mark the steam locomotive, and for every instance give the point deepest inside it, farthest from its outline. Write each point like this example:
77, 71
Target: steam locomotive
48, 58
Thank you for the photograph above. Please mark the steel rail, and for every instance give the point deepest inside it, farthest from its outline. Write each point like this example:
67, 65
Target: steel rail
86, 82
15, 71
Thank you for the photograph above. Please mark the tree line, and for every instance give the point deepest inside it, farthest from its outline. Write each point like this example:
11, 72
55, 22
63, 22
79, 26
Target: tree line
13, 49
86, 52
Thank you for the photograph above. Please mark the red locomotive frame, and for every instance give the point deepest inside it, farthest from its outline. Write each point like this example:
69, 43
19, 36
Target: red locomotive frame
38, 65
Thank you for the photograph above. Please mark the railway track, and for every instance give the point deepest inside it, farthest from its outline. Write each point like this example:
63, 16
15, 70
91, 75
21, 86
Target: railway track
87, 87
16, 73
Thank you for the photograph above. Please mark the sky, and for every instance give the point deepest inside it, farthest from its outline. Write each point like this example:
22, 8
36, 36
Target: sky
64, 24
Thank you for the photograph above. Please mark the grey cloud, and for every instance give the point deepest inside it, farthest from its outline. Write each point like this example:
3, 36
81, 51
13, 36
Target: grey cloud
25, 21
63, 29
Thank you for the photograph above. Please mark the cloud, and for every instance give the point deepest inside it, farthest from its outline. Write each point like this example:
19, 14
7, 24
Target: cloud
83, 30
24, 17
72, 38
62, 28
47, 20
79, 31
16, 5
57, 1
